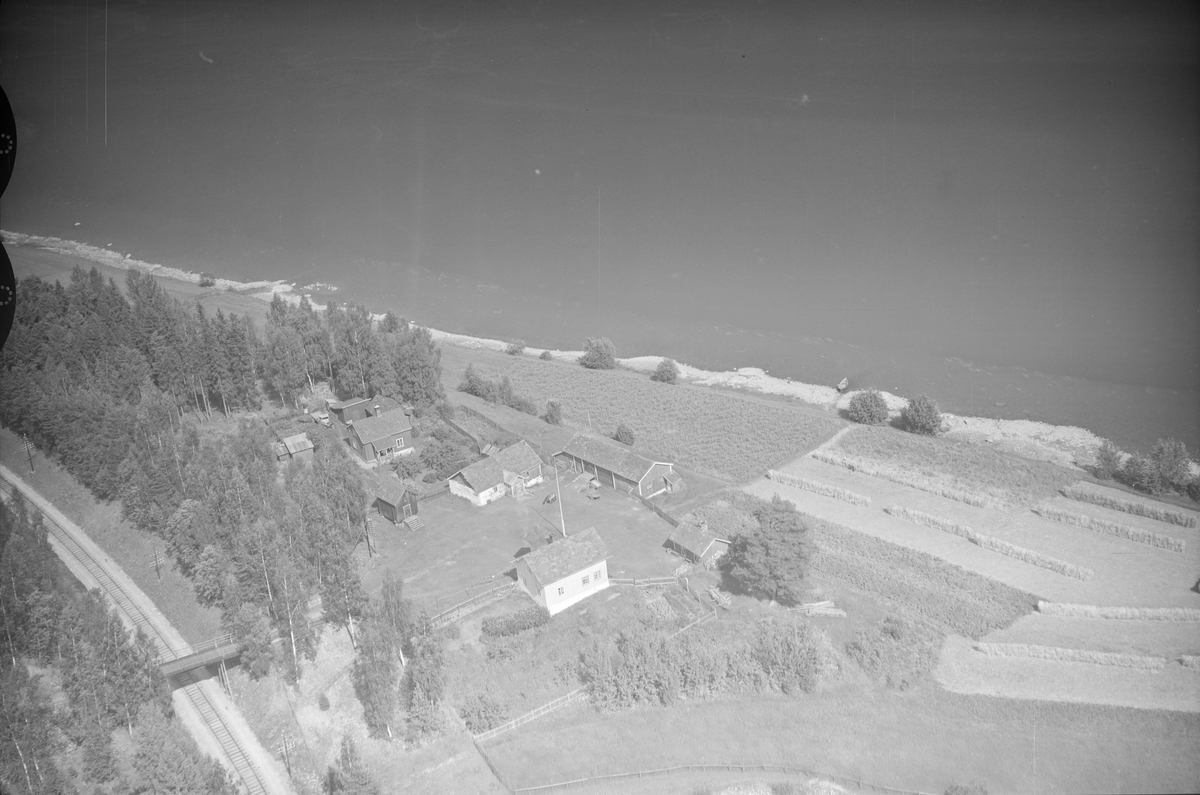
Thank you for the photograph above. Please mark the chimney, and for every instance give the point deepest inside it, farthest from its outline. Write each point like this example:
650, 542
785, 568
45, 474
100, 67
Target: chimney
704, 525
376, 407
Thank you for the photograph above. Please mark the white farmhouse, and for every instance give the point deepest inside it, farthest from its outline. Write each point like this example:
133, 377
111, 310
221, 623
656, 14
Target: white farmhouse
565, 572
510, 471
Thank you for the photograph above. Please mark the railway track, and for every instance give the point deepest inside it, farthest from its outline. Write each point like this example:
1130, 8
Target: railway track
252, 783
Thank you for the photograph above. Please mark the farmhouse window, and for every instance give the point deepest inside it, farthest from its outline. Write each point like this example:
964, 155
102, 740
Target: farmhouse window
586, 579
560, 591
399, 441
597, 575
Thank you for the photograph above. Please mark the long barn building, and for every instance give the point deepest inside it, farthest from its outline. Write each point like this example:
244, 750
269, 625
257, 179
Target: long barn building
618, 467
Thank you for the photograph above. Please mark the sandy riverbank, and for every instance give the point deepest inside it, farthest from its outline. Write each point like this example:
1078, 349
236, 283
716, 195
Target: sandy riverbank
1063, 444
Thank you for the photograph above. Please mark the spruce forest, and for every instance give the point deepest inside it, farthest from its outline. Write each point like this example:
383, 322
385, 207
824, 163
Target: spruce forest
148, 401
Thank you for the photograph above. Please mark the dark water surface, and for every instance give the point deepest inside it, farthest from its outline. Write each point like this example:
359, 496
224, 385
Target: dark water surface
882, 191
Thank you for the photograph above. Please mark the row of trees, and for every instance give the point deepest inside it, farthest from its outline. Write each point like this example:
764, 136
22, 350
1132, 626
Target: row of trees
1167, 469
110, 682
348, 348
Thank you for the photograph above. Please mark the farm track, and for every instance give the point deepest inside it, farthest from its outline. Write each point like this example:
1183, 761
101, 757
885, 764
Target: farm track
234, 753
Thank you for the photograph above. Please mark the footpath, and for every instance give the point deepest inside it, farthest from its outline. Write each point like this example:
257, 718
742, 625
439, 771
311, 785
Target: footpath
268, 776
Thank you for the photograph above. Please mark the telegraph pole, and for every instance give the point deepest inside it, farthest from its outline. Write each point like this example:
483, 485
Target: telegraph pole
28, 445
558, 499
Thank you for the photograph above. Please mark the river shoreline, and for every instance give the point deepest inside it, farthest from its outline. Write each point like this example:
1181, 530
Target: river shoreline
1068, 445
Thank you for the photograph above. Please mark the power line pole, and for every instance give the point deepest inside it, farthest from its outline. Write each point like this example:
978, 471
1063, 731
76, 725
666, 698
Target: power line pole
28, 445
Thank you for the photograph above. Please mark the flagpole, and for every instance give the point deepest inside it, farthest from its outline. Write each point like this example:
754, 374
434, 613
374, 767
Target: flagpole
558, 499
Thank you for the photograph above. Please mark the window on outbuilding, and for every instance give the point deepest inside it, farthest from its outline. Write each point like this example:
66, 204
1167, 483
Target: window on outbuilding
560, 591
586, 579
597, 575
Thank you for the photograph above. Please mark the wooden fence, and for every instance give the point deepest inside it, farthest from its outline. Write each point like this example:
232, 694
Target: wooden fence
643, 583
666, 517
788, 770
478, 600
549, 706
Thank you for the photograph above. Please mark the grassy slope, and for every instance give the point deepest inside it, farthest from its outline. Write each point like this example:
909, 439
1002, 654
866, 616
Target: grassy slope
974, 468
716, 433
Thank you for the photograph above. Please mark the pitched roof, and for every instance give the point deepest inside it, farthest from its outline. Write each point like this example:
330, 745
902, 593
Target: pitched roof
388, 489
487, 472
345, 404
298, 443
693, 538
374, 428
385, 404
566, 556
612, 456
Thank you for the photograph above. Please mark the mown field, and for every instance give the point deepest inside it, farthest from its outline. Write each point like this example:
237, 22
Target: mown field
958, 465
715, 433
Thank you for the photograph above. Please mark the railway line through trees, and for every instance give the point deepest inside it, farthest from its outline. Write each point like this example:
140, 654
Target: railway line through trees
68, 547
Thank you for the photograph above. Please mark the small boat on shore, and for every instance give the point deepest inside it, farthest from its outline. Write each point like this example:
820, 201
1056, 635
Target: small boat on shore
845, 382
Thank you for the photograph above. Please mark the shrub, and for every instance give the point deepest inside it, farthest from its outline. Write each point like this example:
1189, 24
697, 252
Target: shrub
546, 356
599, 354
323, 702
1108, 461
1140, 472
207, 280
1193, 489
922, 415
514, 623
515, 348
408, 466
445, 410
623, 434
974, 788
482, 712
897, 652
791, 655
553, 413
1170, 457
667, 372
868, 407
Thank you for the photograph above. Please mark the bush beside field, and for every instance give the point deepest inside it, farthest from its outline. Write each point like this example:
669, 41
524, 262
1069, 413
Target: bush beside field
1066, 610
993, 544
901, 476
1135, 507
1136, 661
714, 433
964, 467
1112, 528
951, 596
824, 489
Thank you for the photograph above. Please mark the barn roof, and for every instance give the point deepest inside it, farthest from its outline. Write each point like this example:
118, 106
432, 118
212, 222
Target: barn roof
566, 556
694, 538
612, 456
297, 444
389, 489
488, 472
374, 428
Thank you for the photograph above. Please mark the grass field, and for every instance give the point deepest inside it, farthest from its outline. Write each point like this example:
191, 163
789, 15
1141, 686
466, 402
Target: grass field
920, 739
971, 468
716, 433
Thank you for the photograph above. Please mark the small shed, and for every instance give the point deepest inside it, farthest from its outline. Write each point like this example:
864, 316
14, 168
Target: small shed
394, 501
696, 543
299, 447
566, 571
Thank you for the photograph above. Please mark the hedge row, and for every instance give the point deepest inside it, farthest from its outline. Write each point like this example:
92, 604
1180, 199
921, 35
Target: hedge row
1138, 661
824, 489
1135, 507
1064, 610
929, 520
902, 477
953, 597
514, 623
994, 544
1112, 528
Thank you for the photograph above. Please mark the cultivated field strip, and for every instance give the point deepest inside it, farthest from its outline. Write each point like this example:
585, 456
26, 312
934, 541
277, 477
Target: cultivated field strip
120, 597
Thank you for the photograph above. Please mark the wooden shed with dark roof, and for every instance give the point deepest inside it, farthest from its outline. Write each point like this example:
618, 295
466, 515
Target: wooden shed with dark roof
566, 571
394, 501
696, 543
616, 466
